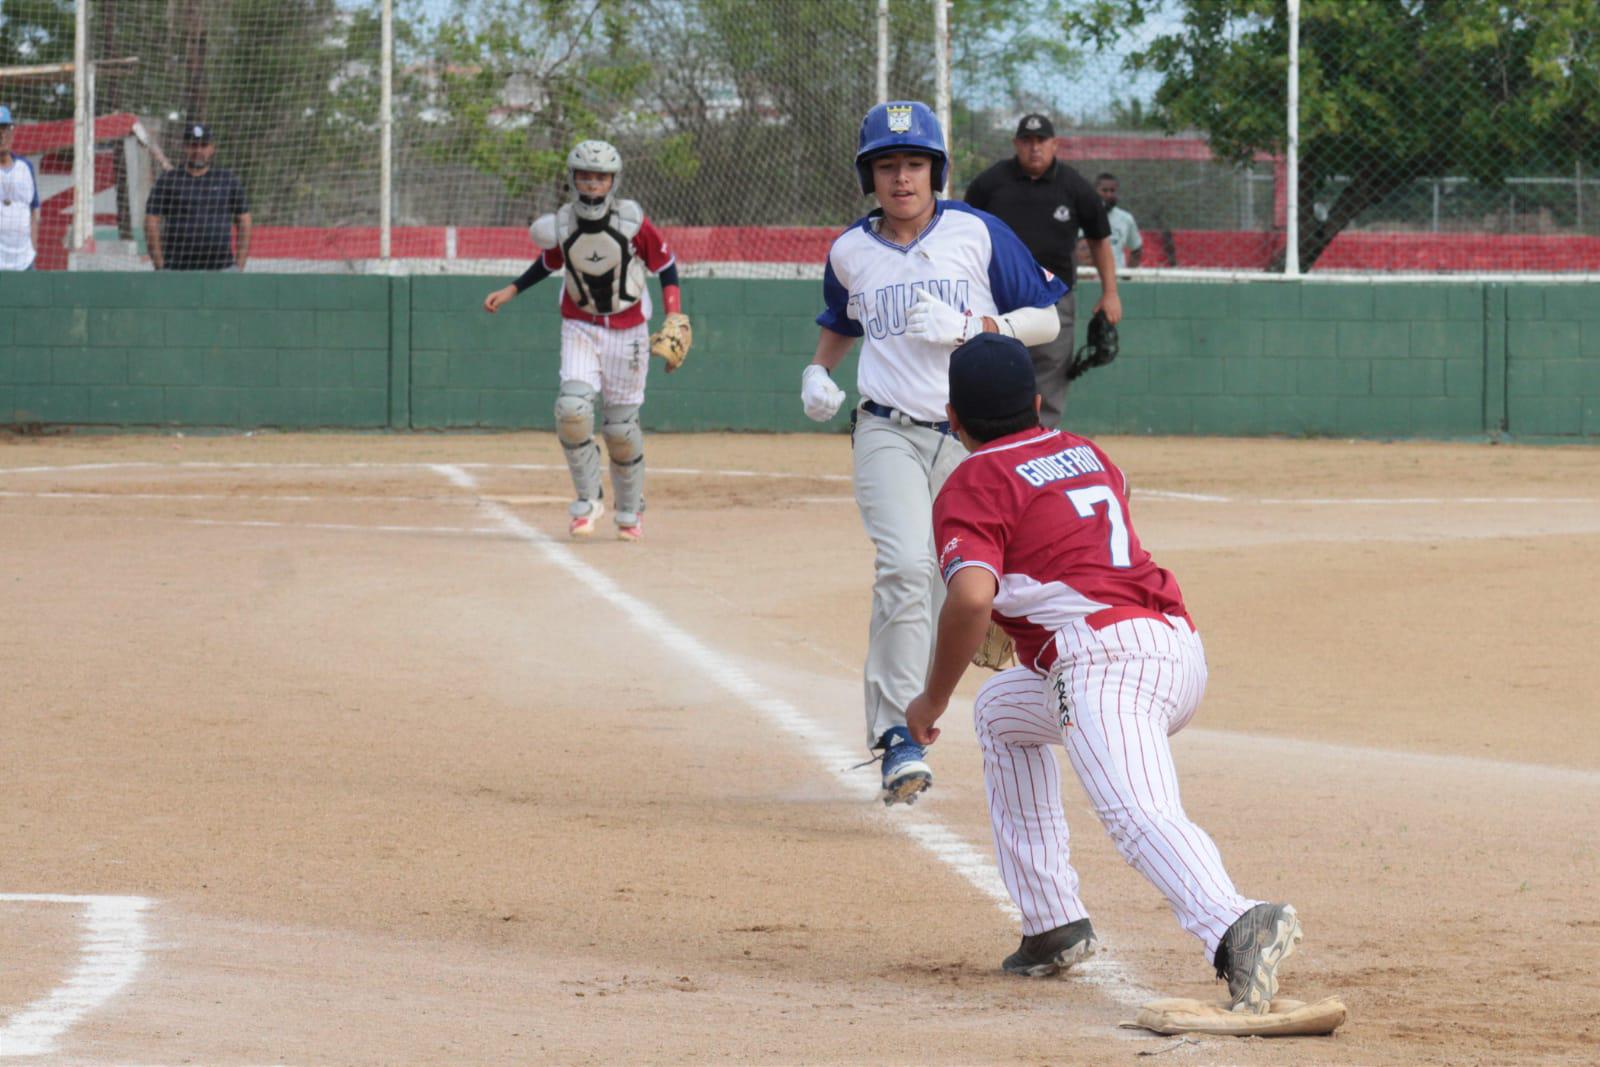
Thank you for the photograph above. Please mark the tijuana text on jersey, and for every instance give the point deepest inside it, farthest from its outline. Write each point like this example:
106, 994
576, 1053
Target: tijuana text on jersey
967, 258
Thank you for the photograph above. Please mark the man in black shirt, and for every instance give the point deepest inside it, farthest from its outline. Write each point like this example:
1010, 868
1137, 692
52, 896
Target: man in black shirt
1047, 202
191, 213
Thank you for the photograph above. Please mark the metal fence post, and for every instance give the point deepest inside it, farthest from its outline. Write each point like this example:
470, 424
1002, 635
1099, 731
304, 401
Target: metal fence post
1291, 252
386, 124
82, 132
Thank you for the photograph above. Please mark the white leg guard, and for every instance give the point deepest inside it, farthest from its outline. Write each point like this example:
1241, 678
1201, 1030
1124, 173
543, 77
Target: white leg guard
575, 428
625, 443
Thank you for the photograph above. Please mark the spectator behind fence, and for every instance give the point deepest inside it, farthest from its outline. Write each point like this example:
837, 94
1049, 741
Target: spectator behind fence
191, 213
1047, 202
1127, 247
19, 203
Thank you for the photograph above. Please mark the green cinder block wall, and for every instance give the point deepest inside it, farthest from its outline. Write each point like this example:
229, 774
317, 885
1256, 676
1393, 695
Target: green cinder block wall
1367, 359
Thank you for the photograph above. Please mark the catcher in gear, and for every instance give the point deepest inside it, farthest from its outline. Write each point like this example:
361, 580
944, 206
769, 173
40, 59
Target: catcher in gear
1100, 349
605, 247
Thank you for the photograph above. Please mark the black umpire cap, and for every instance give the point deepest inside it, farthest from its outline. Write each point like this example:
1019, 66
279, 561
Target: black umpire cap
991, 377
197, 133
1035, 125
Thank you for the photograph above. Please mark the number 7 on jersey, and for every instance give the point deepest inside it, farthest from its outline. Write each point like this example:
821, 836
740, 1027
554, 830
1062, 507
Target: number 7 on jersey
1085, 500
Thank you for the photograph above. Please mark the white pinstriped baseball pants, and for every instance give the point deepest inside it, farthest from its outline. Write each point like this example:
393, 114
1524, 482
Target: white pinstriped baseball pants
1124, 690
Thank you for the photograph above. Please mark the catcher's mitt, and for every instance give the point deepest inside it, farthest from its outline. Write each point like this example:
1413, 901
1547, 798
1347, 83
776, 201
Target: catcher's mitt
672, 341
1100, 350
997, 652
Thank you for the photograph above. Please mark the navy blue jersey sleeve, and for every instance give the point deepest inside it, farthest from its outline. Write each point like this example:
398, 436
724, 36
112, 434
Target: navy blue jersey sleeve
159, 203
836, 304
1015, 277
238, 203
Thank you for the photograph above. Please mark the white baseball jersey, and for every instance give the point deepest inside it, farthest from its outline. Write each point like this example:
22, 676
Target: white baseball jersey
1125, 236
967, 258
19, 199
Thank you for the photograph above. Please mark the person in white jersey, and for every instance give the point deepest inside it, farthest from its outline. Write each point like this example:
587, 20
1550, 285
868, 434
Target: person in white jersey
912, 280
19, 203
1036, 536
607, 246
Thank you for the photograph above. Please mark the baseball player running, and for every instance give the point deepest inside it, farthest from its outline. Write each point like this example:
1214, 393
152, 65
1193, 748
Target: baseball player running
606, 246
913, 279
1036, 534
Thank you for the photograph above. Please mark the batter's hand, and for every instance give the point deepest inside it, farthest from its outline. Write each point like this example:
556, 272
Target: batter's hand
499, 299
819, 394
921, 714
1111, 304
931, 319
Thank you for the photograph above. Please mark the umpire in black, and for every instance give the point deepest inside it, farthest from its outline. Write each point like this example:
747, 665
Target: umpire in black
190, 215
1047, 203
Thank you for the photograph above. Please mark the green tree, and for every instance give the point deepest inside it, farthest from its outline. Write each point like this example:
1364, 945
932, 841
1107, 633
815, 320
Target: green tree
727, 111
35, 32
1390, 90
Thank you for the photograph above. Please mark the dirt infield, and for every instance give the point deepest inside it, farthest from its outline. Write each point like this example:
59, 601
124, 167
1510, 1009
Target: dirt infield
333, 750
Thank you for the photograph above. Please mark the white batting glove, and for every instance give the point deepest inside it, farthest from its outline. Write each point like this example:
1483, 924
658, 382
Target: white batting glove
931, 319
818, 393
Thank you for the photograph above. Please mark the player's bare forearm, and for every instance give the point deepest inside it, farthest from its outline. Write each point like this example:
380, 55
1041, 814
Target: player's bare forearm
1105, 264
152, 240
1135, 257
243, 254
963, 624
33, 229
832, 348
499, 298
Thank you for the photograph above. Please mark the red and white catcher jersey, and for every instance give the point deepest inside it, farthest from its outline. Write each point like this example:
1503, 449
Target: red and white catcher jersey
1046, 512
606, 265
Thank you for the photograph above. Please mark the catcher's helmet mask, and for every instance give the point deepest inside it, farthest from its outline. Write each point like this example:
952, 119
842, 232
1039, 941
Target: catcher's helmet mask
901, 126
599, 157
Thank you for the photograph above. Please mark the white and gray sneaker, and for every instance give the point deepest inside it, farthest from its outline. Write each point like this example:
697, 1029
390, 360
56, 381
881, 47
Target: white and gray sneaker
1252, 950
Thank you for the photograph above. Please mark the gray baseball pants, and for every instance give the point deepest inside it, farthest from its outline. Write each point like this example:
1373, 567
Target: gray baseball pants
1050, 363
899, 468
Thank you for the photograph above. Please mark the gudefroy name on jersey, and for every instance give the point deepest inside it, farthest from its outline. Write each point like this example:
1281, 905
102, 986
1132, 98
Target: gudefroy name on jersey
884, 312
1059, 466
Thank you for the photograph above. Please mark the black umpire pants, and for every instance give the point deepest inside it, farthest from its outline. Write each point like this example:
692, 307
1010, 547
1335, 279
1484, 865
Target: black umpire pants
1050, 363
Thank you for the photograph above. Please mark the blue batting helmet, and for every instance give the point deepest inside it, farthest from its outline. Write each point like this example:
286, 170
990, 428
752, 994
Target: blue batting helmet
901, 126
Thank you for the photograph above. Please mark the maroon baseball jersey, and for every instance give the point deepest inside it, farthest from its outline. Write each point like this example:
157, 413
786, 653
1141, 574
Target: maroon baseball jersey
1046, 512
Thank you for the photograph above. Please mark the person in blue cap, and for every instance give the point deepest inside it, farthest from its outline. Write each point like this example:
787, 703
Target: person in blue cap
911, 280
19, 202
1036, 535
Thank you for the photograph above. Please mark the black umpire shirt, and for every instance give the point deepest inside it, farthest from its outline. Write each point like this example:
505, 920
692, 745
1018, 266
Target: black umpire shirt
1046, 212
197, 214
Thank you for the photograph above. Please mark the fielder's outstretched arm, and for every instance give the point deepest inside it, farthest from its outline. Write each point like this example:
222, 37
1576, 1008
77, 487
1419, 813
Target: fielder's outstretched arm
963, 623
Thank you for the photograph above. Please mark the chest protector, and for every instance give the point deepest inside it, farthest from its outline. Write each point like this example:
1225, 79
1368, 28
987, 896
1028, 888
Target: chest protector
603, 275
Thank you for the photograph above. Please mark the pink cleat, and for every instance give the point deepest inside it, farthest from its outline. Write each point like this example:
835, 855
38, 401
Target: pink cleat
582, 526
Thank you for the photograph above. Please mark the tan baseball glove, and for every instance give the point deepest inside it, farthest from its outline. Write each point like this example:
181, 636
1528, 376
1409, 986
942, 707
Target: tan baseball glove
672, 341
997, 652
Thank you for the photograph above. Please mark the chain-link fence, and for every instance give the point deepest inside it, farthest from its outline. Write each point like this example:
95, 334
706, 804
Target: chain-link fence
1432, 137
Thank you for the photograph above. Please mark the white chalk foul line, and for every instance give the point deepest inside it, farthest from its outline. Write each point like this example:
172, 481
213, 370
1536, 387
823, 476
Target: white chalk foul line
833, 755
114, 941
696, 472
